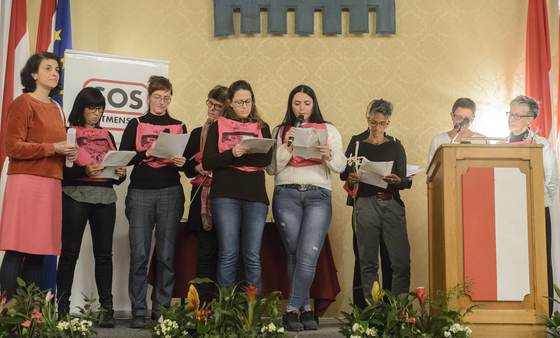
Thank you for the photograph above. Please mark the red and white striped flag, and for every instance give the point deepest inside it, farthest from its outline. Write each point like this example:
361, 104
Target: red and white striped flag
495, 236
16, 56
45, 31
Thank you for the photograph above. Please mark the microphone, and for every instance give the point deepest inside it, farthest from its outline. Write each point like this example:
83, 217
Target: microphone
298, 123
461, 124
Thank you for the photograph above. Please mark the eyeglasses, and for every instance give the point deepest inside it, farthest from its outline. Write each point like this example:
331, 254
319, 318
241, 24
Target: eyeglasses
460, 118
516, 116
215, 105
165, 99
381, 124
96, 109
249, 103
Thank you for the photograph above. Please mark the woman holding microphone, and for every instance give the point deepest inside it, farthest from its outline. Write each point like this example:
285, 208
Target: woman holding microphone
302, 200
155, 199
238, 199
36, 144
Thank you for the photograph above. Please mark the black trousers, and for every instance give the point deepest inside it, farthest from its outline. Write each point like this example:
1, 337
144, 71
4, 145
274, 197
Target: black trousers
102, 224
16, 264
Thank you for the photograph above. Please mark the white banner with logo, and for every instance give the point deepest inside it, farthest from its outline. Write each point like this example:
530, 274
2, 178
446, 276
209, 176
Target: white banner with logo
124, 83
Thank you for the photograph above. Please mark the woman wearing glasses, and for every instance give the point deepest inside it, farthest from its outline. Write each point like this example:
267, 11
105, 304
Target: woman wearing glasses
523, 111
238, 199
155, 198
302, 200
200, 219
85, 197
379, 209
463, 108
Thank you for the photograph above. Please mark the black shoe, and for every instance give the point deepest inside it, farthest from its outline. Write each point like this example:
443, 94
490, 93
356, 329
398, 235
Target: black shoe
137, 322
108, 319
290, 321
307, 318
63, 310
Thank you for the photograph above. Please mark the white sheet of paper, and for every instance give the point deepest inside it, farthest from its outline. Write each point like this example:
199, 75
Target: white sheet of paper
257, 145
305, 141
169, 145
412, 169
114, 160
373, 172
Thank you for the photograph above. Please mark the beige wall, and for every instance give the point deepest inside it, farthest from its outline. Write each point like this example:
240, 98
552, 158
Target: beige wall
444, 49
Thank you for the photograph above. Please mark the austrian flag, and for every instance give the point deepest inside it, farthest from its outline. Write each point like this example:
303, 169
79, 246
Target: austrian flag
496, 234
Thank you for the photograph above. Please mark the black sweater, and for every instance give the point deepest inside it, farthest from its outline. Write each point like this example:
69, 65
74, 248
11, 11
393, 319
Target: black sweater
229, 182
144, 176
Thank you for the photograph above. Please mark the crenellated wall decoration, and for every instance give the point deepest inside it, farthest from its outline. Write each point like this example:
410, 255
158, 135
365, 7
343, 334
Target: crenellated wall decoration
304, 20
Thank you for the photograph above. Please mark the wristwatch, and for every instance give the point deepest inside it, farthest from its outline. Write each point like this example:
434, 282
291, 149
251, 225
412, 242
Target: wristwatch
331, 155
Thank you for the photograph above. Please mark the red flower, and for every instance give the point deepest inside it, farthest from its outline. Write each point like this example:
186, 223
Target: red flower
421, 294
37, 315
411, 320
402, 316
251, 292
26, 323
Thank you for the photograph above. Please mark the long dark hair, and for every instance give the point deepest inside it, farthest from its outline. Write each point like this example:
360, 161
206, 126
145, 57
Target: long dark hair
290, 117
32, 67
87, 97
228, 111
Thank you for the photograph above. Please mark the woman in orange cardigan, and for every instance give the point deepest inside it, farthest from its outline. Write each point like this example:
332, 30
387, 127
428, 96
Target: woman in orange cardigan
35, 142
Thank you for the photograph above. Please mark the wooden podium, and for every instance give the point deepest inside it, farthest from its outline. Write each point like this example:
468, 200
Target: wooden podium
446, 237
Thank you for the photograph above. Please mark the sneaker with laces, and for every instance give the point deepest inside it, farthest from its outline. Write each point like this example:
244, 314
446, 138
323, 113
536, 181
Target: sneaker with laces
307, 318
290, 321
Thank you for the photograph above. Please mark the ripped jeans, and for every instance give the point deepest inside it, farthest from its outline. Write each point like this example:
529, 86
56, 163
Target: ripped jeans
303, 219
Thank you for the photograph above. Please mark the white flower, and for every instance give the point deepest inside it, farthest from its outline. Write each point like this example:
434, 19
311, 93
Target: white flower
263, 329
447, 334
281, 330
271, 327
352, 336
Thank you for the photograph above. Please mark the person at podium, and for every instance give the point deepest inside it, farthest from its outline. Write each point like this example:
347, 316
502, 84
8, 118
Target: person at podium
462, 116
380, 212
523, 111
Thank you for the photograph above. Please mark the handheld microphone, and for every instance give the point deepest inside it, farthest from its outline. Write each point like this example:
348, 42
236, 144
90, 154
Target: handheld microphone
298, 123
461, 124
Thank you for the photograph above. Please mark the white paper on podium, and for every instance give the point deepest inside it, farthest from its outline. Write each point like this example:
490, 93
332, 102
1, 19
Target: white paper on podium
373, 172
412, 169
257, 145
114, 160
305, 141
169, 145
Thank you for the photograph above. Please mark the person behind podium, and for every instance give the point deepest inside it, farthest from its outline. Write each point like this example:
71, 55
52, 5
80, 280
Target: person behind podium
155, 198
238, 199
380, 212
88, 198
200, 218
301, 204
523, 111
35, 142
463, 108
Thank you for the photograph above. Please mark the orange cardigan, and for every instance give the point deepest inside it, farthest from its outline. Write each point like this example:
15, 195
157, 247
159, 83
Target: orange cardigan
32, 128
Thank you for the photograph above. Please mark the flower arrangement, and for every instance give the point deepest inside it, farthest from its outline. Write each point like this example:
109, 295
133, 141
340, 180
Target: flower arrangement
237, 314
397, 318
32, 313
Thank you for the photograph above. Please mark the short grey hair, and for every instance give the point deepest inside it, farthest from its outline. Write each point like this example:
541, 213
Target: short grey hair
381, 106
531, 106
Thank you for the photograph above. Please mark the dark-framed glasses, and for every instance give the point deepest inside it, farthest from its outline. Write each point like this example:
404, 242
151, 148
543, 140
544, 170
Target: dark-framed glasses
96, 109
382, 124
210, 104
165, 99
240, 103
516, 116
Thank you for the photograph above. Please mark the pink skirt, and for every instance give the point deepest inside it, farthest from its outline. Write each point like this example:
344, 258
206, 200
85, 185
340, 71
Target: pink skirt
31, 215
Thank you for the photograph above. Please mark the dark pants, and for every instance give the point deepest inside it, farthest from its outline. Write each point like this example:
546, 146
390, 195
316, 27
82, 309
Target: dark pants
16, 264
551, 292
102, 223
207, 263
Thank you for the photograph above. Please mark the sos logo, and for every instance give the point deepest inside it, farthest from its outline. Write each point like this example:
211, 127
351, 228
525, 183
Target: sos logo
125, 97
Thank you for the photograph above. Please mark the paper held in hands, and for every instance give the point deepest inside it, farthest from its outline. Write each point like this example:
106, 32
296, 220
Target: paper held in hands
412, 170
257, 145
305, 141
169, 145
114, 160
373, 172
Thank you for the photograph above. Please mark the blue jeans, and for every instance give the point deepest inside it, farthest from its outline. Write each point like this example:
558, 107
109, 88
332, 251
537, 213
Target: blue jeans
234, 218
303, 219
162, 208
